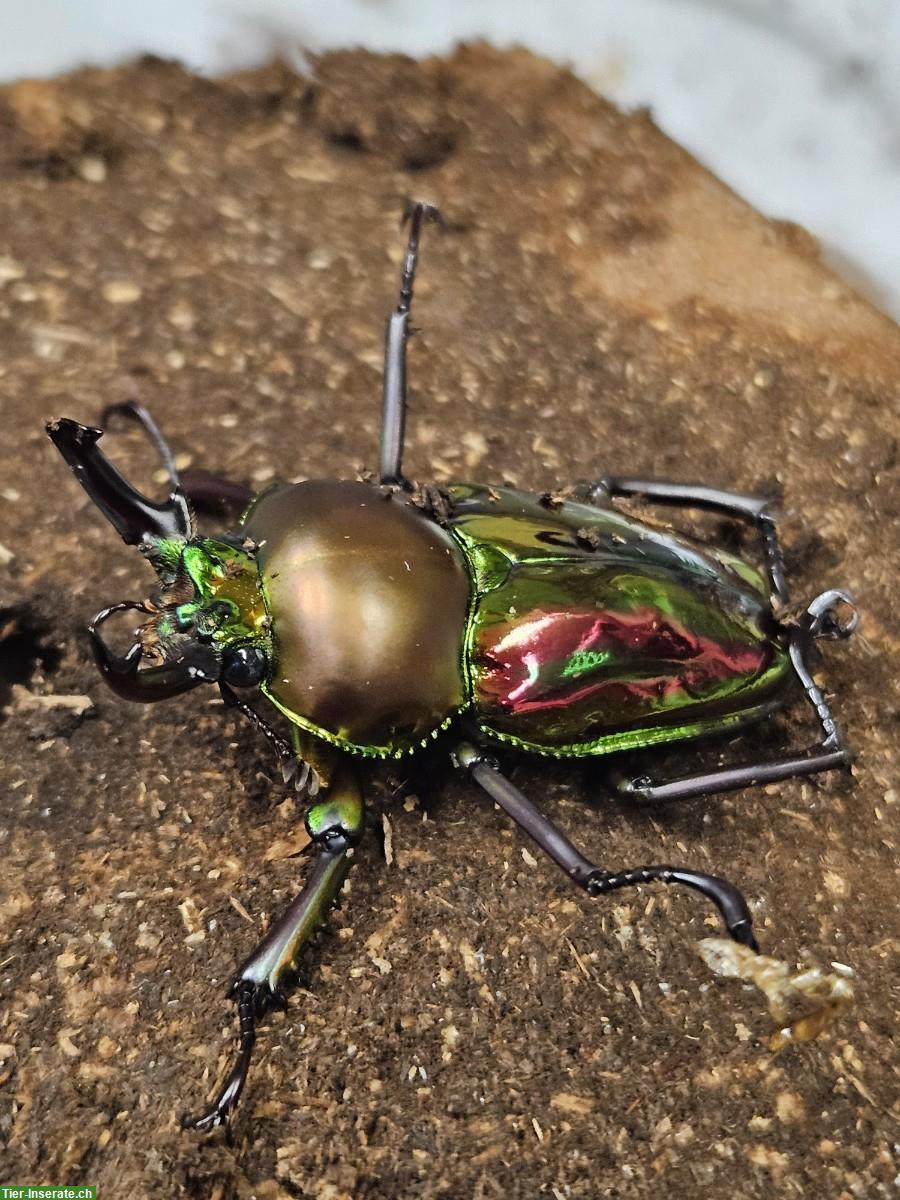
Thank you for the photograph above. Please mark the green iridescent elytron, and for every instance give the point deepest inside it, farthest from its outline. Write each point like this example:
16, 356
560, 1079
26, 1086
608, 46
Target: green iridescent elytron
378, 619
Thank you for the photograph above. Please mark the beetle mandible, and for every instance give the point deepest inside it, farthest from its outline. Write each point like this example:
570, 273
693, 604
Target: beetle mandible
378, 617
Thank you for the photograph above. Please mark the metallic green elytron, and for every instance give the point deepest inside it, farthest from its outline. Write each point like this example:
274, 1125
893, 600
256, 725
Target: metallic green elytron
379, 618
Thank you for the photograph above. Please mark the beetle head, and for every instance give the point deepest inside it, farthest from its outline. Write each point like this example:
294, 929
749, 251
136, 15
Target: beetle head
207, 622
209, 612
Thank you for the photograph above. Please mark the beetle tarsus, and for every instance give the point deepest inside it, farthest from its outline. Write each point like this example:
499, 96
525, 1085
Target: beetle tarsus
418, 213
250, 1007
724, 895
822, 618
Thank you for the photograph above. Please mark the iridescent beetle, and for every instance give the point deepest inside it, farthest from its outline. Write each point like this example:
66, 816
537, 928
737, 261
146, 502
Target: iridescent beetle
377, 617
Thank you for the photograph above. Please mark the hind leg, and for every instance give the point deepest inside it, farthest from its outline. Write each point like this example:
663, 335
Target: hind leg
820, 620
587, 875
757, 510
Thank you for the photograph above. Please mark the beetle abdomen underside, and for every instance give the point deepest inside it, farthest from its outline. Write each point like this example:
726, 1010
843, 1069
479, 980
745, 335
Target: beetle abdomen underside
593, 632
368, 599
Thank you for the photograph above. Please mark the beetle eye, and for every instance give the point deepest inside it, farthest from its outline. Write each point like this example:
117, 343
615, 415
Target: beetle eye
243, 667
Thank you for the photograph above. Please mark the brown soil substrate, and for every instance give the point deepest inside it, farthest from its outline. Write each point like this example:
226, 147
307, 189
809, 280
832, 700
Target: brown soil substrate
226, 251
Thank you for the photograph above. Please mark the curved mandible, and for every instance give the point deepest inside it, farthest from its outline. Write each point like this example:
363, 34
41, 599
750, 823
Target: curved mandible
132, 514
123, 672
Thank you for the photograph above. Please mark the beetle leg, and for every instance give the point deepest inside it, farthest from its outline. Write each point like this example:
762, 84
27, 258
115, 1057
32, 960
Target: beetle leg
755, 509
335, 826
293, 767
829, 754
393, 412
597, 882
136, 412
214, 494
205, 490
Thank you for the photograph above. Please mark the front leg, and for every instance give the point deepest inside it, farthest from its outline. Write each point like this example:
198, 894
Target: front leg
393, 404
335, 826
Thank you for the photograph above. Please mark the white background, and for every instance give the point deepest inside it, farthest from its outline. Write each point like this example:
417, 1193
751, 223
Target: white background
795, 103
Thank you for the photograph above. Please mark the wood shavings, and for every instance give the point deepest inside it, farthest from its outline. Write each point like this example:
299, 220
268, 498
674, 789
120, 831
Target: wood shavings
239, 908
190, 915
25, 700
65, 1043
287, 847
578, 959
388, 831
825, 995
568, 1102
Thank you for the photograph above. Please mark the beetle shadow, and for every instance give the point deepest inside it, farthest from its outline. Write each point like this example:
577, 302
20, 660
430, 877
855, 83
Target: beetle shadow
27, 650
252, 760
580, 795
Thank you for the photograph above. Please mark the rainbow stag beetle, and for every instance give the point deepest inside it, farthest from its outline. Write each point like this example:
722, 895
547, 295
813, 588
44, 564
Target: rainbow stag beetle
378, 617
